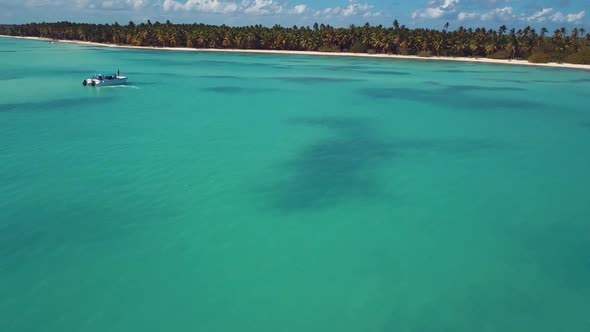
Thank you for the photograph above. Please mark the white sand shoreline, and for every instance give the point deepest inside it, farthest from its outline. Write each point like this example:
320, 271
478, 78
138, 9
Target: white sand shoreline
361, 55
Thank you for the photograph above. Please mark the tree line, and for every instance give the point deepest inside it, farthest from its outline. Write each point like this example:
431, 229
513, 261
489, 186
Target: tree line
503, 43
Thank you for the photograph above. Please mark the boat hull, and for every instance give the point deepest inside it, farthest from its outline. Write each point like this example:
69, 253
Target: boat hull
119, 80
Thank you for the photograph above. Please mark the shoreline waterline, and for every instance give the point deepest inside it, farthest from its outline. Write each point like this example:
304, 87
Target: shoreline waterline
342, 54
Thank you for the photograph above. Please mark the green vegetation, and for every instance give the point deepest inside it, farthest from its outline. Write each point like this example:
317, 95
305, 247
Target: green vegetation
539, 57
424, 54
501, 55
479, 42
359, 47
580, 57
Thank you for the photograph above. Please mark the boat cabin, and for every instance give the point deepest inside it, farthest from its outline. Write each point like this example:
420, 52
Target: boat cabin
104, 76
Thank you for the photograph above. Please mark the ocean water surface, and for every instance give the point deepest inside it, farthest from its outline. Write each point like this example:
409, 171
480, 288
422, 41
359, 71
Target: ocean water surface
234, 192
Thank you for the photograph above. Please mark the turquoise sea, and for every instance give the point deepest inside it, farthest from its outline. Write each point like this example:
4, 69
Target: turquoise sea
235, 192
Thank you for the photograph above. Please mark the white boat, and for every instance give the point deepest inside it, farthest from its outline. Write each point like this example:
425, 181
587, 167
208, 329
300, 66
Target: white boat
104, 79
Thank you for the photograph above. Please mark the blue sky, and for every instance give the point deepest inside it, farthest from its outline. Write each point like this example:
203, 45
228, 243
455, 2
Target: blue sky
413, 13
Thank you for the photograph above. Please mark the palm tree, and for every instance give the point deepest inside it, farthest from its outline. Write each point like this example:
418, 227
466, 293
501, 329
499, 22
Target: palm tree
467, 42
490, 48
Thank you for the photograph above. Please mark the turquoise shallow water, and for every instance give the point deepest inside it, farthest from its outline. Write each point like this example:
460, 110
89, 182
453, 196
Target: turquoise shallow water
231, 192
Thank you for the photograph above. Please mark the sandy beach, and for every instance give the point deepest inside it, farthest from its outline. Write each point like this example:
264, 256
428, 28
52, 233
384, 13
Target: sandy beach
362, 55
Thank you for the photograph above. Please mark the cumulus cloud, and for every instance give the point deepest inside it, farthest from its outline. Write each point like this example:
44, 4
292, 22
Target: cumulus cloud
39, 3
136, 4
498, 14
299, 9
546, 14
501, 14
113, 4
449, 9
569, 18
207, 6
540, 16
87, 4
437, 9
467, 16
261, 7
251, 7
354, 8
507, 14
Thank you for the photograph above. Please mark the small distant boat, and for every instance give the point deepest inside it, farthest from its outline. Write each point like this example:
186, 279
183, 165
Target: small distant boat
105, 79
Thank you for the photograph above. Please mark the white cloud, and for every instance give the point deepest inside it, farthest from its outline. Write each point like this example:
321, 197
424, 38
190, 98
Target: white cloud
569, 18
250, 7
136, 4
85, 4
207, 6
541, 15
437, 9
441, 9
467, 16
114, 4
449, 3
354, 8
39, 3
558, 17
299, 9
498, 14
372, 14
507, 13
261, 7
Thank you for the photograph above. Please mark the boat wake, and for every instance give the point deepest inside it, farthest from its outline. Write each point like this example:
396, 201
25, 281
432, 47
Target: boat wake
121, 87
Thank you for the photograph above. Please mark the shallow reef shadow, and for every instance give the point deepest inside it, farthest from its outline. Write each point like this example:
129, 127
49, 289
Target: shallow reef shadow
53, 104
442, 96
221, 77
237, 89
343, 67
386, 72
334, 169
316, 80
196, 62
457, 71
468, 87
504, 80
472, 71
346, 165
225, 89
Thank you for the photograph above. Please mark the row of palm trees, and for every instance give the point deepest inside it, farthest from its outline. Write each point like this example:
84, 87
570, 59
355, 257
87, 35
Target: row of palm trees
479, 42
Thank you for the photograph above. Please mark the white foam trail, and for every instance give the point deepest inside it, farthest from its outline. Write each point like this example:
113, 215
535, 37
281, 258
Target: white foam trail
122, 87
